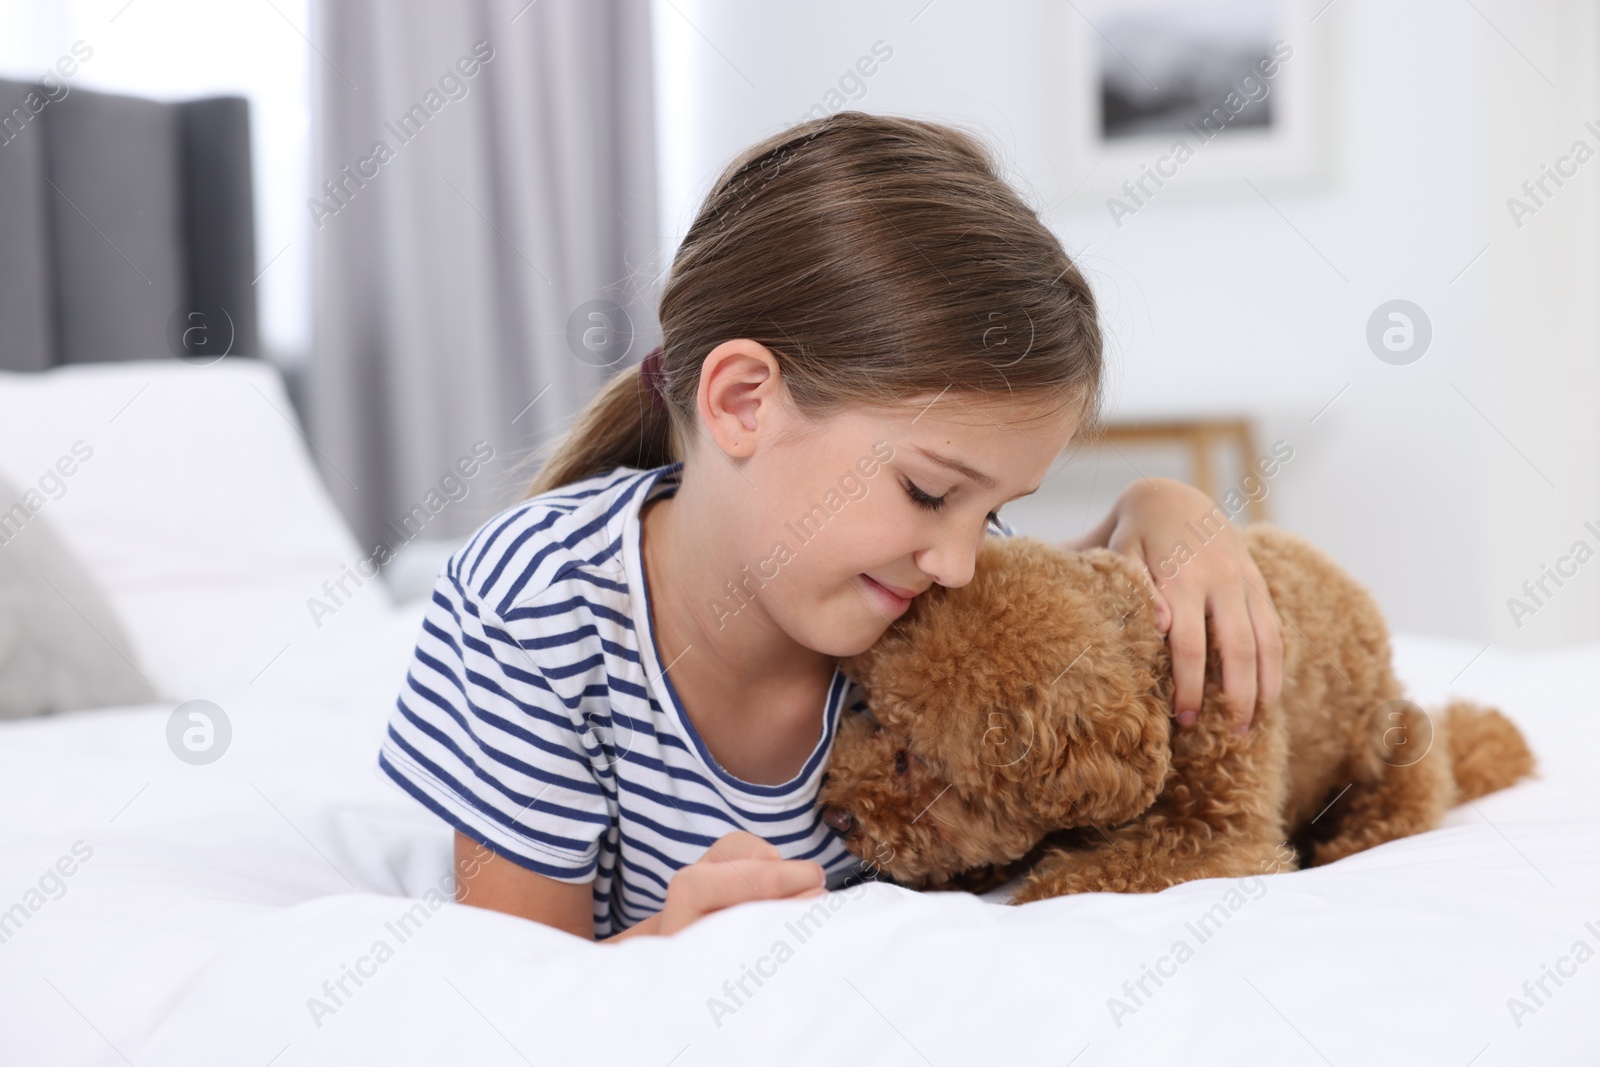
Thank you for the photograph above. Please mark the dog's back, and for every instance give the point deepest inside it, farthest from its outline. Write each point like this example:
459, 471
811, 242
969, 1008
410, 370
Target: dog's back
1347, 715
1336, 669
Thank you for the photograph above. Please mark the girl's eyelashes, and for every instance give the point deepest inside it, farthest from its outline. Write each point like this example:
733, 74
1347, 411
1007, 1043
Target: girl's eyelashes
923, 500
936, 503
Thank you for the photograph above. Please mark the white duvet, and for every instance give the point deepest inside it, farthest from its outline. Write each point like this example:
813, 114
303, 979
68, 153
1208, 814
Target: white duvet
257, 910
285, 905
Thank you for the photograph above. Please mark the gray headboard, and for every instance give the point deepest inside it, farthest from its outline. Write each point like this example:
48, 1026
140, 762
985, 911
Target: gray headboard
126, 227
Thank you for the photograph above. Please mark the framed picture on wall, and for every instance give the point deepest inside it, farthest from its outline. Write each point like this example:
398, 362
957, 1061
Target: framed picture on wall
1149, 94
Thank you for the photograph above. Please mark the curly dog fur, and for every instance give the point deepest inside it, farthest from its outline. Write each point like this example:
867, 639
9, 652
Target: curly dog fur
1022, 724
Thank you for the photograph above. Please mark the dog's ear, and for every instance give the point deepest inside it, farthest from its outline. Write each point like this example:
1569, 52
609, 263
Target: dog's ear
862, 667
1098, 763
1092, 743
1046, 670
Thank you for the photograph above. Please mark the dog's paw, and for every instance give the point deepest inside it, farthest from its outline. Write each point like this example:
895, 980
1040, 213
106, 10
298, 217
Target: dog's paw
1094, 871
1056, 880
1033, 891
977, 880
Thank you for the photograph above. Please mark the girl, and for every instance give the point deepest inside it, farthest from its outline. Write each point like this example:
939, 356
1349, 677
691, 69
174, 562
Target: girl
627, 685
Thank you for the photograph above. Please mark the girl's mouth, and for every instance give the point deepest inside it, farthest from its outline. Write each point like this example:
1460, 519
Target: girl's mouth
889, 603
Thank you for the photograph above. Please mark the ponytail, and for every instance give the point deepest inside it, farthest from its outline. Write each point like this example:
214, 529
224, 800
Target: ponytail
619, 427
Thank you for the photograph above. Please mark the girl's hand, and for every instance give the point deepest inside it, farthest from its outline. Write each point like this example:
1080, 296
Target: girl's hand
738, 867
1158, 523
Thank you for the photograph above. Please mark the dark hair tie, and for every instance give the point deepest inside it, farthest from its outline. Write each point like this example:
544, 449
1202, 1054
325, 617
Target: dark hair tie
650, 371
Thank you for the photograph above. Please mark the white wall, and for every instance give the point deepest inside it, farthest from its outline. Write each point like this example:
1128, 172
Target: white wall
1431, 482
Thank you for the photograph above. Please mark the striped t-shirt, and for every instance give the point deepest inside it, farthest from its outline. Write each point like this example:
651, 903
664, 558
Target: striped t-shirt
537, 720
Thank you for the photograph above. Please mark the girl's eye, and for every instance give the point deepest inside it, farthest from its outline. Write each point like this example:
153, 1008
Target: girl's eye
900, 765
936, 503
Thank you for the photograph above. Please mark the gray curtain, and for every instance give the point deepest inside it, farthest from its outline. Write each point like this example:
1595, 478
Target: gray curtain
484, 228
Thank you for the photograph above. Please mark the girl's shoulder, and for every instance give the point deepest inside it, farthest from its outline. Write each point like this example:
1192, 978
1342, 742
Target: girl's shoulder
524, 548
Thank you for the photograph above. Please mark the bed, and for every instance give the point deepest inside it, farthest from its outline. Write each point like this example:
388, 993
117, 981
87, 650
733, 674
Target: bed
284, 904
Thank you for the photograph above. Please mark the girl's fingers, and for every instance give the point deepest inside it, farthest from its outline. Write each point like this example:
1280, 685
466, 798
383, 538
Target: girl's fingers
1156, 602
740, 845
1269, 637
722, 885
1236, 646
1187, 640
1225, 587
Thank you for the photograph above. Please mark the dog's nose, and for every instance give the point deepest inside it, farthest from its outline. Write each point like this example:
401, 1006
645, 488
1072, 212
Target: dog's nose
838, 818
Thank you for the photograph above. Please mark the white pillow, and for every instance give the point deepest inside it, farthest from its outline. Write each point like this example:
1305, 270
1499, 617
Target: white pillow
192, 498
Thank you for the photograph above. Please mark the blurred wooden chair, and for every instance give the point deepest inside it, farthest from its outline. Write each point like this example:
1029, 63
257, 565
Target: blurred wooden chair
1199, 437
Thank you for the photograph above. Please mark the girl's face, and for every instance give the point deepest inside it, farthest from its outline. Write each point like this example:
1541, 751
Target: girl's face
863, 515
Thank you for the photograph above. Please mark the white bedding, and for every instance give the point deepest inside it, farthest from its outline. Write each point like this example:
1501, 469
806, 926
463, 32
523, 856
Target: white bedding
218, 899
211, 911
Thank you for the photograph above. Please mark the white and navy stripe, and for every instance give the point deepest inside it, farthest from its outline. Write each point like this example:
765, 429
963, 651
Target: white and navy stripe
536, 719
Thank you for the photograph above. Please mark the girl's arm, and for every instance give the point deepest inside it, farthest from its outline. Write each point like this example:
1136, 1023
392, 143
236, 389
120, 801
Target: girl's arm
490, 881
739, 866
1157, 522
1097, 537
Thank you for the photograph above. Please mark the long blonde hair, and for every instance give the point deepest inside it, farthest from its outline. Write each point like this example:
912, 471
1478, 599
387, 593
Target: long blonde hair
878, 258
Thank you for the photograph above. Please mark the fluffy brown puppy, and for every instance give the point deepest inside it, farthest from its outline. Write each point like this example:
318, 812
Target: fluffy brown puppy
1023, 723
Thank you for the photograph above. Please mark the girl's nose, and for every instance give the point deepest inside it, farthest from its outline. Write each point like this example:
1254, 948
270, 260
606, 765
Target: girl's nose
951, 564
952, 560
